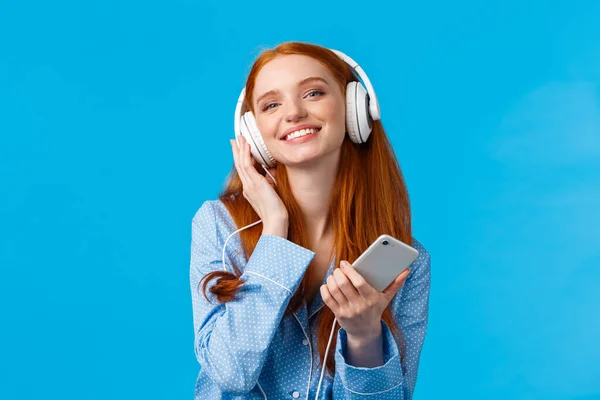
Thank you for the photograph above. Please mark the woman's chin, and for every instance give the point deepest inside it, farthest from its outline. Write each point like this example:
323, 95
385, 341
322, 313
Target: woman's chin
302, 161
307, 156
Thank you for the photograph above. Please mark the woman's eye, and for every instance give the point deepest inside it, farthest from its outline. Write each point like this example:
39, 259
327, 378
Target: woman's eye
268, 106
315, 91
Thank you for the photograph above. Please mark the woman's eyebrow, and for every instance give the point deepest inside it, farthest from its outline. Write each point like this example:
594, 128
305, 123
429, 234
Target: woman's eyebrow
300, 83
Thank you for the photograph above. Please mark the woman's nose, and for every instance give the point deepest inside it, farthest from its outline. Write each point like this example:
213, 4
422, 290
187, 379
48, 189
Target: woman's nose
294, 111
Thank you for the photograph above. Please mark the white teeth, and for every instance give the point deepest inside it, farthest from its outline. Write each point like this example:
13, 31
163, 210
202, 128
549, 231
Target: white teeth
301, 132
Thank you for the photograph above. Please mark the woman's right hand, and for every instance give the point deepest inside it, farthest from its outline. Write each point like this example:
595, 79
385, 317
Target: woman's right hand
259, 191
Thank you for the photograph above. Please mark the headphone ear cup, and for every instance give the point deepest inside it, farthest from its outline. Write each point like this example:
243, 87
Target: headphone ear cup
358, 117
259, 150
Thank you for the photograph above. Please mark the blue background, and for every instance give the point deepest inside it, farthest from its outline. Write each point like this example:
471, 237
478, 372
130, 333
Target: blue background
114, 126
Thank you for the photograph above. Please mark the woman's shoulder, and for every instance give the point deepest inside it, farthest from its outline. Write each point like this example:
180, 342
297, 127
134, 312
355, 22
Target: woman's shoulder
424, 255
420, 268
418, 281
213, 214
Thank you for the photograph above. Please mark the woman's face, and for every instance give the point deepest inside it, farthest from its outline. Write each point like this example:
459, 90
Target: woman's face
296, 94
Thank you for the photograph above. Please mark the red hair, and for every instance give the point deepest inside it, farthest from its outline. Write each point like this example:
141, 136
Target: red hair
369, 198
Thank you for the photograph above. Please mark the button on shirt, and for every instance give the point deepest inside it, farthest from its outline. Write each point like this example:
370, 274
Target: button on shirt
249, 348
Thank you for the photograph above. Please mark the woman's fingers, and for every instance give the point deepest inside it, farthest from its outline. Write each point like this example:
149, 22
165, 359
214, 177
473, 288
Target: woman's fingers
255, 187
335, 291
234, 151
393, 287
328, 299
273, 172
243, 152
345, 285
252, 176
361, 285
237, 159
244, 167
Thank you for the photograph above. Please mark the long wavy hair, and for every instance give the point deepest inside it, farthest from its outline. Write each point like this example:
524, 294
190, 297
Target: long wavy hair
369, 198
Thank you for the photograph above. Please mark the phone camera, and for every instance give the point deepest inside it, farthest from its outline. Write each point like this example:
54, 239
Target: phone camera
385, 242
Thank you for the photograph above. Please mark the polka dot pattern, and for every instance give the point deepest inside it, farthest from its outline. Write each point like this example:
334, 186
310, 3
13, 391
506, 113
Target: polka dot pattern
248, 348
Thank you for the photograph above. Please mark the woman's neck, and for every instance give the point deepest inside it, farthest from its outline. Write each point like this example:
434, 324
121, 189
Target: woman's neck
312, 186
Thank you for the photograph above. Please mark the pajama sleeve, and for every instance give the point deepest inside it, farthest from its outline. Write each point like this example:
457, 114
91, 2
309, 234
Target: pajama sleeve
232, 339
396, 378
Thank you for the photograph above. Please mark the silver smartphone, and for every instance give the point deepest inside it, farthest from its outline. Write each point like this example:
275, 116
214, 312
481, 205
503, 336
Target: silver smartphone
384, 260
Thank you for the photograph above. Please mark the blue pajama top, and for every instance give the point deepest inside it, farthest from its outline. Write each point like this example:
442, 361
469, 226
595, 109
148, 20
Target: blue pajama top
248, 349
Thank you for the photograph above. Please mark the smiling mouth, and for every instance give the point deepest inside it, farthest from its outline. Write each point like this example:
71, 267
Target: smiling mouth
301, 133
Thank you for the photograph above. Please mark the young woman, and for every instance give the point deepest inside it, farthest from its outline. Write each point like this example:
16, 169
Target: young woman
265, 301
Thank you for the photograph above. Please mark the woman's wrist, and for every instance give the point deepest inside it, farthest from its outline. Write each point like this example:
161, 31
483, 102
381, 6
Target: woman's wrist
365, 339
278, 227
365, 351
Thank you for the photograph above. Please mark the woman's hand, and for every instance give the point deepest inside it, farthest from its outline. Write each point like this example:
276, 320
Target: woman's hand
259, 191
356, 304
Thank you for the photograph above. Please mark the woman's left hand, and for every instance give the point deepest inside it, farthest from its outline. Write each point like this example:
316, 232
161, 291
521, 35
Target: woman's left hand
358, 306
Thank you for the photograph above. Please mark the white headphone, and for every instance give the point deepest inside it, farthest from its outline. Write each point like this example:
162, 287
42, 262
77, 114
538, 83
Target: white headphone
362, 108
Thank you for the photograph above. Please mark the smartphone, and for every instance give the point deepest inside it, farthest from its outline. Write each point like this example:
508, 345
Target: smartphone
384, 260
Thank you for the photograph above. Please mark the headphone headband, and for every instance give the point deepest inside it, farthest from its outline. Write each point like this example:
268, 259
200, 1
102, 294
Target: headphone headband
373, 103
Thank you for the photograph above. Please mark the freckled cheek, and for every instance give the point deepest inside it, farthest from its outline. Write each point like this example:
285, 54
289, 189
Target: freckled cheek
337, 117
334, 113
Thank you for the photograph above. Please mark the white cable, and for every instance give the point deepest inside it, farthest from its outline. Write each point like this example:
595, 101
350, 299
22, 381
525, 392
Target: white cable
261, 389
247, 226
334, 321
325, 359
225, 245
241, 229
268, 173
